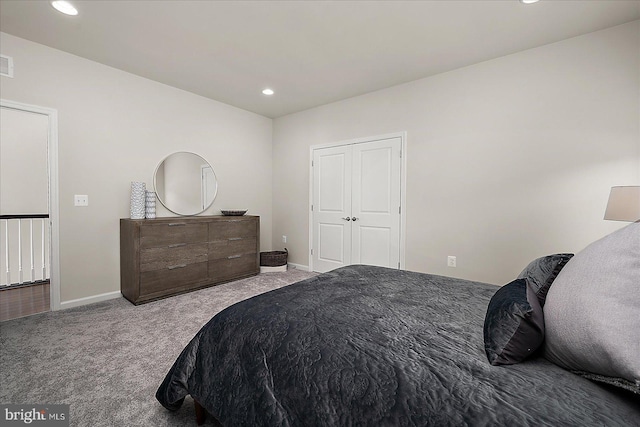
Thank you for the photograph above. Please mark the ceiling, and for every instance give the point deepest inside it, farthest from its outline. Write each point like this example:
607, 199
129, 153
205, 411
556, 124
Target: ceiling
309, 52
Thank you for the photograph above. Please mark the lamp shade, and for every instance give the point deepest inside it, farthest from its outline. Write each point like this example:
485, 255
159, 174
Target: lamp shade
624, 204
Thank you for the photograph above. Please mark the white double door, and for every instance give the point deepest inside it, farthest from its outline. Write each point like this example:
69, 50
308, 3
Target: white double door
356, 205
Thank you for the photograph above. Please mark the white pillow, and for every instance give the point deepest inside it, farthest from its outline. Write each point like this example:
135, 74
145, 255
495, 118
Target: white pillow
592, 311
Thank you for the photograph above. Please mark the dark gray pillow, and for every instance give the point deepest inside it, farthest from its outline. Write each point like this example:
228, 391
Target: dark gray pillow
514, 324
592, 312
542, 272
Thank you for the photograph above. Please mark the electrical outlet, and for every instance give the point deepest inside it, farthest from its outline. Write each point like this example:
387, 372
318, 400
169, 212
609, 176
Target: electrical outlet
81, 200
451, 261
284, 239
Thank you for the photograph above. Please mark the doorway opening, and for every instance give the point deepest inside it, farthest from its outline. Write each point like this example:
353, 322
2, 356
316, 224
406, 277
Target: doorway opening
29, 233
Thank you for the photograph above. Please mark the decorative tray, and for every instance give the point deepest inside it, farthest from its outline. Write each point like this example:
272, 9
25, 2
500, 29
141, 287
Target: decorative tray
233, 212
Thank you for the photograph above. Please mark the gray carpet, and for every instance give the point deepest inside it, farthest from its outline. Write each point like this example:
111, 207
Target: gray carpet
107, 359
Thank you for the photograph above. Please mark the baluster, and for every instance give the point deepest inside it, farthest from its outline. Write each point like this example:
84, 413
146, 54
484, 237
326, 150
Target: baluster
44, 264
6, 247
19, 251
31, 253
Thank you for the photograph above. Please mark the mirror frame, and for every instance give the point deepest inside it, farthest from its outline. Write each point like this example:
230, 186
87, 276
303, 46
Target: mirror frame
162, 202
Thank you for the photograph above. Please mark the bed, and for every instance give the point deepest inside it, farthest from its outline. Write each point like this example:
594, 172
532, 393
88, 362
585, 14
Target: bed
371, 346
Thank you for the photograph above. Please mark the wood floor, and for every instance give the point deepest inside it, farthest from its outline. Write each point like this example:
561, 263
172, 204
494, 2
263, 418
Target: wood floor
20, 301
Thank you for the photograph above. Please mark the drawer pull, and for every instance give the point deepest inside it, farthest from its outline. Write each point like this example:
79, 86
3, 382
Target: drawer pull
235, 238
233, 256
173, 267
176, 224
177, 245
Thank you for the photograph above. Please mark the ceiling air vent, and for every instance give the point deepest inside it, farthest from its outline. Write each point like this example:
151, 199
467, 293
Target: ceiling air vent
6, 66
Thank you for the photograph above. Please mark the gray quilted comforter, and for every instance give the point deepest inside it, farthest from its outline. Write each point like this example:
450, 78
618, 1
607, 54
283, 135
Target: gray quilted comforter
369, 346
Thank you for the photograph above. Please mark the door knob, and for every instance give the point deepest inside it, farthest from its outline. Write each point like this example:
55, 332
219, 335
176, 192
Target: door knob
354, 218
347, 219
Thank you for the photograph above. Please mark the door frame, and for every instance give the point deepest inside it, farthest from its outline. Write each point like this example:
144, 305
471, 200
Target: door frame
54, 224
403, 185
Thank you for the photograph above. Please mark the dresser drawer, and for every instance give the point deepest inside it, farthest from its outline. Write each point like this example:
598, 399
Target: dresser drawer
177, 254
172, 278
171, 233
231, 228
221, 249
233, 266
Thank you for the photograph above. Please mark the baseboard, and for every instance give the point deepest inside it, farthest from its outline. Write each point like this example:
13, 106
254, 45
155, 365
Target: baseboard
89, 300
299, 266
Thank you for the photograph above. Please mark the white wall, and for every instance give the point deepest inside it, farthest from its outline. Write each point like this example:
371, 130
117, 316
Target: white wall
23, 162
114, 128
508, 160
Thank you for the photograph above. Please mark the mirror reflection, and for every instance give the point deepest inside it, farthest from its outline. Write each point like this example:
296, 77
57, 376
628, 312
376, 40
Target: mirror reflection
185, 183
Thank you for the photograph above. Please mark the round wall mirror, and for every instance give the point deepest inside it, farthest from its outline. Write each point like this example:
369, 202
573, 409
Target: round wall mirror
185, 183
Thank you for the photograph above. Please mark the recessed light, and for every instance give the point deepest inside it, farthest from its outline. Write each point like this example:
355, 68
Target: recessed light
64, 7
529, 1
267, 92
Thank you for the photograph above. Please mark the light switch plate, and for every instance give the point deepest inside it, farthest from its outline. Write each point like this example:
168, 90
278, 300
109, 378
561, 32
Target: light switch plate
81, 200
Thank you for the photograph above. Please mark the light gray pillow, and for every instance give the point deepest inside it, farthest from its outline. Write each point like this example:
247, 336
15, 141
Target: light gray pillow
592, 311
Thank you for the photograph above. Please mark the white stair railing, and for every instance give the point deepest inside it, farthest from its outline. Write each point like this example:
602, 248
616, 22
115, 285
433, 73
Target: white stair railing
18, 244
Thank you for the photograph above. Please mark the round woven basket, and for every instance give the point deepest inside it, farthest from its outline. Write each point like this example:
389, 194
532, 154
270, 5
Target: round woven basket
273, 258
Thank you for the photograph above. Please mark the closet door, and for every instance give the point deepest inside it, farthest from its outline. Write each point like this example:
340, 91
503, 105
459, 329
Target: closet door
356, 205
375, 203
331, 208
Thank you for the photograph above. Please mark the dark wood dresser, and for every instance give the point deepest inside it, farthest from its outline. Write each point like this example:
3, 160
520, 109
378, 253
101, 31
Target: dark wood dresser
168, 256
